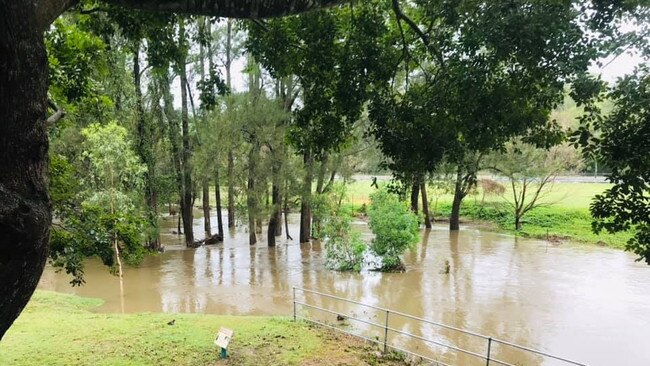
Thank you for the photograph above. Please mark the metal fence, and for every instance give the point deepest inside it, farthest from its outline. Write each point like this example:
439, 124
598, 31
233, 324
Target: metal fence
488, 354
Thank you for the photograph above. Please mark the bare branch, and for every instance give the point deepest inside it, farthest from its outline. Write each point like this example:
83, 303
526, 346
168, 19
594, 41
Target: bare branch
58, 114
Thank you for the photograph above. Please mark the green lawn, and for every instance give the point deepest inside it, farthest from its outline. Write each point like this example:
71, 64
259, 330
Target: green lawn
58, 329
565, 218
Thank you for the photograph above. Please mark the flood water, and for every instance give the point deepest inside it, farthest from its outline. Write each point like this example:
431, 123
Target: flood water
585, 303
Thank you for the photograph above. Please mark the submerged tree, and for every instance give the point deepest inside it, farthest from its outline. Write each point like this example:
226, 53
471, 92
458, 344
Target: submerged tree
396, 229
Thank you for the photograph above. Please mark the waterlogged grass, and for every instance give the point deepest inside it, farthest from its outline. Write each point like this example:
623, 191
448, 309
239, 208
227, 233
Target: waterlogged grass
554, 223
58, 329
566, 217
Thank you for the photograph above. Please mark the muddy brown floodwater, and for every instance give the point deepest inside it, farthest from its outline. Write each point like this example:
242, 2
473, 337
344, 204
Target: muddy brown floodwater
585, 303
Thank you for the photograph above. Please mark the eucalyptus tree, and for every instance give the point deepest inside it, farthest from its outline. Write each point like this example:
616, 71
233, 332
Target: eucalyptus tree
25, 210
336, 56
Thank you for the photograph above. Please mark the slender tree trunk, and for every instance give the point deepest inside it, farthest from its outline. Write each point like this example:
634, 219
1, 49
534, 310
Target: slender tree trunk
274, 220
517, 221
305, 203
286, 210
231, 189
205, 198
145, 146
425, 206
173, 133
179, 221
320, 183
454, 219
231, 161
415, 189
186, 152
204, 27
24, 202
217, 197
251, 197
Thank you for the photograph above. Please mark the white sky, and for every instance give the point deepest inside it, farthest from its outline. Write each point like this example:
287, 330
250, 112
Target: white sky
612, 68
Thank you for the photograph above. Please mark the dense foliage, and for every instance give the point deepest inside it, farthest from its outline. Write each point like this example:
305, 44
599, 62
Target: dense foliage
622, 141
395, 227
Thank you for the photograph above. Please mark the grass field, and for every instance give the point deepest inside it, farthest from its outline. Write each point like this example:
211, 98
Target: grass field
58, 329
566, 217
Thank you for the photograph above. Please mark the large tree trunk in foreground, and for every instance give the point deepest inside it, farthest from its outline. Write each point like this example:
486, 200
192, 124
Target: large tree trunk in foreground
24, 201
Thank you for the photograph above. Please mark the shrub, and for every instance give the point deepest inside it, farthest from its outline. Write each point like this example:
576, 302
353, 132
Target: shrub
344, 249
395, 227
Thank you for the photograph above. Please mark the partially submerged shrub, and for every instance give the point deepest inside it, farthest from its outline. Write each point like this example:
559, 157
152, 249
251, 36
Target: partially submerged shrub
396, 229
344, 249
343, 245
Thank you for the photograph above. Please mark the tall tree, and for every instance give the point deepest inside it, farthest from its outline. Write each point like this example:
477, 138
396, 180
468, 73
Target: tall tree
487, 72
333, 92
25, 210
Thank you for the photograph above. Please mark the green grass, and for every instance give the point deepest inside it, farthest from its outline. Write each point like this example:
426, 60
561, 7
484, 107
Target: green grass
566, 217
58, 329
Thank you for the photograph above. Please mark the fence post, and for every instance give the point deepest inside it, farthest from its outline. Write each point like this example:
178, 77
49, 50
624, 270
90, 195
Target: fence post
386, 333
294, 303
488, 351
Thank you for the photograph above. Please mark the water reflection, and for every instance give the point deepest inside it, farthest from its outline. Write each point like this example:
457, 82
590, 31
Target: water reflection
582, 302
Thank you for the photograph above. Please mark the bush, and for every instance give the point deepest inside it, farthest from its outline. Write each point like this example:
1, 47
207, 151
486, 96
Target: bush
395, 227
344, 249
343, 245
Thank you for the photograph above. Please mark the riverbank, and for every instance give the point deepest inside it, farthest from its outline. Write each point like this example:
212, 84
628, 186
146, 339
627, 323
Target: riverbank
59, 329
563, 217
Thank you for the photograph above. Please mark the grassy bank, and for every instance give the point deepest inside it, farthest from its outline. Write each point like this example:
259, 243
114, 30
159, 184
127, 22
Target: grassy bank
58, 329
566, 217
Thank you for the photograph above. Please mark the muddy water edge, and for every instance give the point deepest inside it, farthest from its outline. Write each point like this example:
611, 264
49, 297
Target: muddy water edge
586, 303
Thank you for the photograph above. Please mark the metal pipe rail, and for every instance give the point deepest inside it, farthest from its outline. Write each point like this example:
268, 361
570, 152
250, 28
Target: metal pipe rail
386, 329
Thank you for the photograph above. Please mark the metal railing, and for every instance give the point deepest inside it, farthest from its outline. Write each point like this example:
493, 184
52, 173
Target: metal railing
490, 342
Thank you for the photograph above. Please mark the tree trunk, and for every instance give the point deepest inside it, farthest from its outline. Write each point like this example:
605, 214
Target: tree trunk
168, 106
217, 197
275, 216
231, 189
454, 219
205, 198
186, 209
517, 222
286, 211
305, 202
251, 197
415, 190
145, 145
425, 206
24, 202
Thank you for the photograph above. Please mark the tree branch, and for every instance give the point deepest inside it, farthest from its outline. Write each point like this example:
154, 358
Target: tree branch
423, 36
243, 9
58, 114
